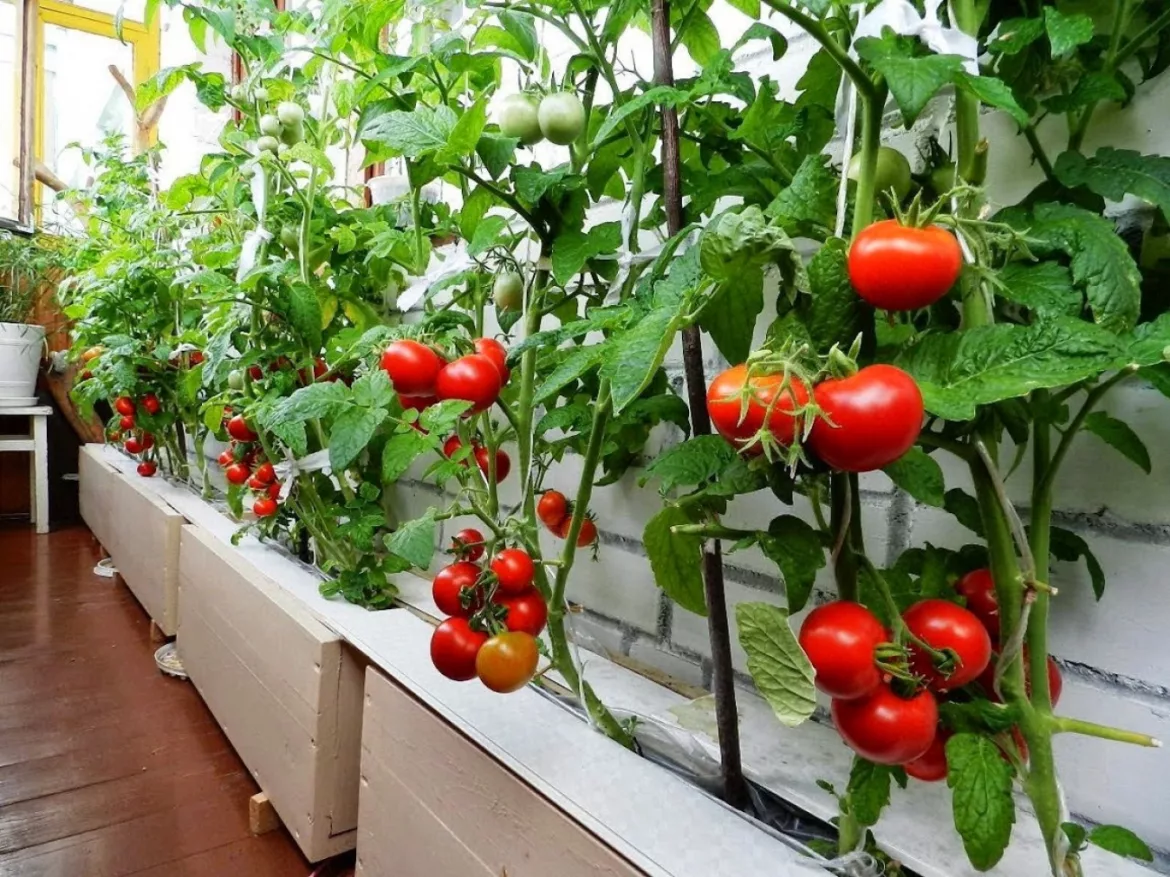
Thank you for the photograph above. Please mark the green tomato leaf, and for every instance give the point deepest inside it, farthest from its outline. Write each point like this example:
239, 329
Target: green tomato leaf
1067, 546
692, 462
309, 403
798, 549
920, 475
868, 790
373, 389
304, 314
834, 313
676, 559
465, 134
487, 234
739, 240
478, 203
1015, 35
496, 152
994, 93
958, 372
981, 800
1066, 32
913, 80
441, 419
809, 203
729, 315
572, 249
1094, 87
1045, 288
576, 362
414, 541
660, 96
422, 131
532, 183
777, 664
1076, 835
522, 30
351, 432
1115, 173
757, 30
1122, 841
965, 508
400, 452
700, 38
1121, 437
634, 355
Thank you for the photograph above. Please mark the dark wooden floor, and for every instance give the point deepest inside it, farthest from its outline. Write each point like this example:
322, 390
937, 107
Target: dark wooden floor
107, 767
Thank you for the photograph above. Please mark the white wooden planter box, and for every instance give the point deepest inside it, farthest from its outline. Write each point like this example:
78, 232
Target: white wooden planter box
138, 529
284, 687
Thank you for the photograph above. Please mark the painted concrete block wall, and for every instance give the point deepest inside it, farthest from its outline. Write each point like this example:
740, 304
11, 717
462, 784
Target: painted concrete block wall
1115, 656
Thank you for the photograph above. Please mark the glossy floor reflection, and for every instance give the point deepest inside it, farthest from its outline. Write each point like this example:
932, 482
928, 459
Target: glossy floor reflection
108, 768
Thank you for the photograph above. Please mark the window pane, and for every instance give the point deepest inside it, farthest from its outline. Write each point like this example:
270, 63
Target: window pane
135, 9
83, 103
9, 129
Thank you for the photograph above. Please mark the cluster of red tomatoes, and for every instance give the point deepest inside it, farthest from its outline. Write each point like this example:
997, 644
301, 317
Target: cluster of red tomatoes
422, 376
136, 441
867, 420
898, 724
242, 464
556, 513
494, 618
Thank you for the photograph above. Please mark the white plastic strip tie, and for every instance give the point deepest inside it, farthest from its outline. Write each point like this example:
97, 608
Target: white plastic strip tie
288, 471
105, 568
249, 249
259, 185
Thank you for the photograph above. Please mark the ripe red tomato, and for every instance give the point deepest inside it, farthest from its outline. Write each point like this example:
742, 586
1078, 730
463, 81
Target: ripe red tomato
151, 404
587, 535
147, 441
978, 587
886, 728
265, 473
839, 639
448, 586
454, 646
226, 458
451, 447
1055, 678
902, 268
133, 446
239, 430
503, 462
264, 507
255, 372
514, 568
237, 473
126, 423
875, 416
945, 625
147, 468
497, 353
273, 490
412, 367
931, 766
195, 357
256, 484
527, 612
468, 544
473, 378
507, 661
124, 405
552, 508
739, 426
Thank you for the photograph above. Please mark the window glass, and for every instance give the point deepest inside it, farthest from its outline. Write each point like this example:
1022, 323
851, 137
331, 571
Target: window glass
134, 10
9, 97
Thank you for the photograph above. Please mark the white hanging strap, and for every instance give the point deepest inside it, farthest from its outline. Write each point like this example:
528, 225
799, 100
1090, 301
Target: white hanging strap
288, 471
250, 249
847, 107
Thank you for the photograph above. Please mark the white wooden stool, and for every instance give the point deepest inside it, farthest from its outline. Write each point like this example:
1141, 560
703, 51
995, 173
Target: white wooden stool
37, 444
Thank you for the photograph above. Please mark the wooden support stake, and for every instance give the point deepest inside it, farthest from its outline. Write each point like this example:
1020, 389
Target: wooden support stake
157, 637
262, 816
718, 628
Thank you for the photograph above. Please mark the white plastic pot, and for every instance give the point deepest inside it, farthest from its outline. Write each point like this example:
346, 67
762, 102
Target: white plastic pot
20, 357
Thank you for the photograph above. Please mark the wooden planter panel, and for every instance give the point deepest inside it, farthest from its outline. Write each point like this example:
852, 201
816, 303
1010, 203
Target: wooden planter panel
433, 802
139, 530
286, 690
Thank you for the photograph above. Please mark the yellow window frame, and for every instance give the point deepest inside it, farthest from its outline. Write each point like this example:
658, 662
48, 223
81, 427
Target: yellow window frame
143, 39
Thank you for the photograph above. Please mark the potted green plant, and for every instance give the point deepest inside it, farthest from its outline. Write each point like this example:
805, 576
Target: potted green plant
23, 265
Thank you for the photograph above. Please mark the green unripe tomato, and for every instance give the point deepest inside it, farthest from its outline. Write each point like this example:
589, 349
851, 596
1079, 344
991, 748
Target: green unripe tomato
518, 118
261, 94
239, 93
270, 125
893, 171
508, 291
290, 237
236, 379
943, 179
289, 113
293, 134
561, 117
267, 144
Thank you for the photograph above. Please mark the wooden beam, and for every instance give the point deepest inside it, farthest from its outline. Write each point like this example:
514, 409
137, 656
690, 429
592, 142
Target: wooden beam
27, 111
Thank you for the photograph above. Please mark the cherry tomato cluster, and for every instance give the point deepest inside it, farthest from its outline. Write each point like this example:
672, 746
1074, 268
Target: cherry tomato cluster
556, 513
320, 369
135, 440
454, 444
422, 376
862, 422
242, 464
494, 618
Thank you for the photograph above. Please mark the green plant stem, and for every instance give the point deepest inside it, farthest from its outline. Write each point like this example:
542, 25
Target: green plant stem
1040, 535
1038, 151
1143, 36
1081, 126
820, 33
506, 197
871, 131
713, 531
840, 516
934, 440
1092, 729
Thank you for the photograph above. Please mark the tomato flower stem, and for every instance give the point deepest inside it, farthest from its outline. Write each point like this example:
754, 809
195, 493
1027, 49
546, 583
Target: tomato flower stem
1064, 725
